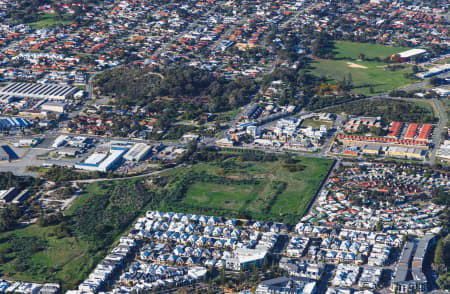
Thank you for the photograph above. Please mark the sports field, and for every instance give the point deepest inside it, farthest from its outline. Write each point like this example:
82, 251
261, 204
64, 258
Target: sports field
352, 50
369, 77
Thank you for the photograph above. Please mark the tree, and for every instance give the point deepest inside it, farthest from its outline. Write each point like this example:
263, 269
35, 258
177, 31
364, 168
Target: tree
379, 226
435, 81
442, 255
350, 80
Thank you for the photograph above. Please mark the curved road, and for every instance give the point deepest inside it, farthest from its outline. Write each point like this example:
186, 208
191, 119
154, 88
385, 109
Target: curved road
127, 177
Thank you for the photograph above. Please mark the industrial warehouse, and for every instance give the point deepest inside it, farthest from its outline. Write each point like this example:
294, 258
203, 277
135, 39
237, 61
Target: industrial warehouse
13, 122
39, 91
138, 152
103, 161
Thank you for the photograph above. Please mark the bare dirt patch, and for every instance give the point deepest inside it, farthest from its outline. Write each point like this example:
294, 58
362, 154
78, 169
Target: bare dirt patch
354, 65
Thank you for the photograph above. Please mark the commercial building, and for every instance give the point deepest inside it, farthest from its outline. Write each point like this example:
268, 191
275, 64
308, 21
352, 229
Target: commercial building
103, 162
243, 258
14, 123
443, 92
404, 152
54, 106
287, 285
253, 131
29, 142
437, 70
138, 152
371, 149
408, 54
60, 141
68, 151
444, 150
364, 140
39, 91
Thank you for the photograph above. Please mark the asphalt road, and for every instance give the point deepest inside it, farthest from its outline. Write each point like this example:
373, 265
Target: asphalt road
438, 130
125, 178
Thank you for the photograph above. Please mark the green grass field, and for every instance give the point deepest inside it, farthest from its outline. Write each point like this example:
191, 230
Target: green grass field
345, 49
259, 200
368, 75
316, 123
233, 197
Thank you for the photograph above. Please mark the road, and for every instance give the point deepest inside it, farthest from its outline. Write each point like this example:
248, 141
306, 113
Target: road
438, 130
90, 86
338, 122
88, 181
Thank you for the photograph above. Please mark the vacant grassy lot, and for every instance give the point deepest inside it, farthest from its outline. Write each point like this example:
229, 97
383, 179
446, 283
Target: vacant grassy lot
316, 123
368, 77
446, 106
65, 260
261, 190
233, 197
67, 252
352, 50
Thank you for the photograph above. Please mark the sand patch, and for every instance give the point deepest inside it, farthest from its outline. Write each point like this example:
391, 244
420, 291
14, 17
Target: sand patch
354, 65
